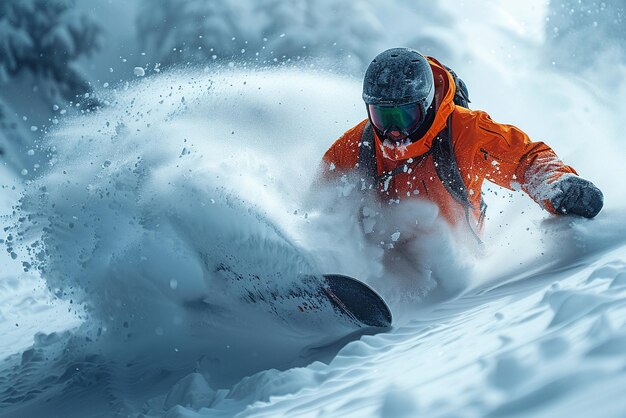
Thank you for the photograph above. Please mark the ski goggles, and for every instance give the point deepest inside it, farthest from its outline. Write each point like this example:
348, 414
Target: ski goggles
405, 118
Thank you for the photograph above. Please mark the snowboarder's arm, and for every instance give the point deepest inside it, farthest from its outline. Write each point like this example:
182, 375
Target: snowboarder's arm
343, 154
510, 159
337, 163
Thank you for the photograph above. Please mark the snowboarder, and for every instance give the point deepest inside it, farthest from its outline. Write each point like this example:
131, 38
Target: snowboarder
421, 140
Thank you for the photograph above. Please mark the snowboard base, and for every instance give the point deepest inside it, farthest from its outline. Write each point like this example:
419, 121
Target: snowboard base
357, 300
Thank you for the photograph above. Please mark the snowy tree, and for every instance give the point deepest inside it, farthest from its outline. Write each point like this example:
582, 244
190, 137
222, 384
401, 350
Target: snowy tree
346, 32
171, 31
579, 31
360, 35
39, 42
11, 134
44, 37
267, 31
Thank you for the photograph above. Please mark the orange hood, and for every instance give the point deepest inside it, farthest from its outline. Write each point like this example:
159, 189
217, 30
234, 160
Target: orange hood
444, 95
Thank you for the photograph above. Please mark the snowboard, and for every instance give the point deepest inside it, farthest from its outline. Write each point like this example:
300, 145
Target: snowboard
330, 304
356, 300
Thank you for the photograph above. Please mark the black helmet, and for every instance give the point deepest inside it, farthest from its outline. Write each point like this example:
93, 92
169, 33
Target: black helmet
398, 89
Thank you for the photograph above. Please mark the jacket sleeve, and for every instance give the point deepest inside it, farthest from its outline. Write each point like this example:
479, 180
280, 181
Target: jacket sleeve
343, 155
332, 172
506, 156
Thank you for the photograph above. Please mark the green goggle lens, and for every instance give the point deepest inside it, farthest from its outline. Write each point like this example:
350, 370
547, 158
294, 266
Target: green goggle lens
406, 118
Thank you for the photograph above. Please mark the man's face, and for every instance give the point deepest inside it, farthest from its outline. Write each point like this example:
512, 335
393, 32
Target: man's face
395, 135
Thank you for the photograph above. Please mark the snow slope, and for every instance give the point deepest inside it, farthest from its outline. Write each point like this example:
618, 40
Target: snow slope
135, 237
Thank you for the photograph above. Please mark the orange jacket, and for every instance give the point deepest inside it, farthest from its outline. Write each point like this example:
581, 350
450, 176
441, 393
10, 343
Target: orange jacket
483, 149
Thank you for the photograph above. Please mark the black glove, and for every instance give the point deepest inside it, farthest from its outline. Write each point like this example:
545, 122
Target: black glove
577, 196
